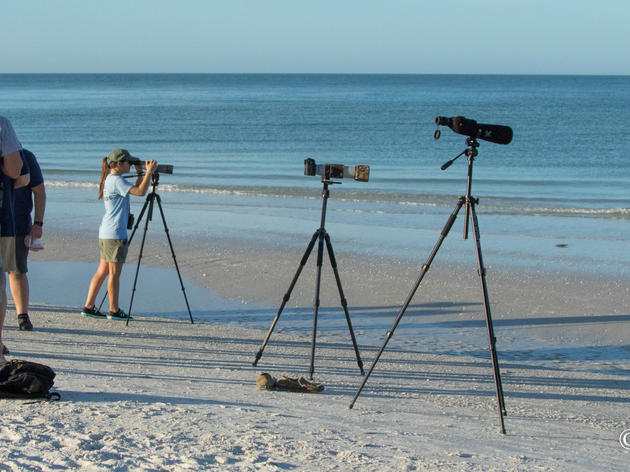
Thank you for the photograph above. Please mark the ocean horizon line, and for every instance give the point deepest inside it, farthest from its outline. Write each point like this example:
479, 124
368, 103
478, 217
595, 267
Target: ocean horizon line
370, 74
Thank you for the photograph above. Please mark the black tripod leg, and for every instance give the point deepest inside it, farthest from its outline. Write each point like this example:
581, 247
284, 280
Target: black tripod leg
287, 295
344, 302
320, 261
170, 244
102, 301
135, 228
486, 302
425, 268
144, 236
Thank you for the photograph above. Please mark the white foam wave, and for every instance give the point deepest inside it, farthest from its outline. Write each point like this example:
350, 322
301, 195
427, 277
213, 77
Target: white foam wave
402, 200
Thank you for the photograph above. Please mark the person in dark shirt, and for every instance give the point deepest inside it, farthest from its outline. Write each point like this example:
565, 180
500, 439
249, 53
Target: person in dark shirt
27, 235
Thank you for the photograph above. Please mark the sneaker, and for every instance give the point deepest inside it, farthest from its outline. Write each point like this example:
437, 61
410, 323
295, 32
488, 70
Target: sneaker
92, 312
24, 323
119, 315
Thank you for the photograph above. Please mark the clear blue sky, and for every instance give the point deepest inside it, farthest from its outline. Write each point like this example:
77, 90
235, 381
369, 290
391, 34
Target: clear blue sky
358, 36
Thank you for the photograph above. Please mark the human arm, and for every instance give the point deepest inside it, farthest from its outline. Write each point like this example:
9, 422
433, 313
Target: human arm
22, 181
140, 189
25, 173
39, 200
139, 173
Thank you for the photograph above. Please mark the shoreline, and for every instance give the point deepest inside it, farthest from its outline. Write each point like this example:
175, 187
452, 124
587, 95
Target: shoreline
204, 261
534, 314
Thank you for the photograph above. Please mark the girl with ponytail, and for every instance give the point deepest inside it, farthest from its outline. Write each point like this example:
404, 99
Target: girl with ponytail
114, 190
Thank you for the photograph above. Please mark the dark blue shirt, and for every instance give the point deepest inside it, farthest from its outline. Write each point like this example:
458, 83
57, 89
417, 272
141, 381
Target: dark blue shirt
23, 196
7, 212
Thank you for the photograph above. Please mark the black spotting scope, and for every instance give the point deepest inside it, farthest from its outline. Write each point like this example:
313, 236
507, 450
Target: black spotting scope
494, 133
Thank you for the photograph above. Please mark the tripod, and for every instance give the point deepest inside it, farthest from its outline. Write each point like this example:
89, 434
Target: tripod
469, 202
148, 204
151, 198
320, 235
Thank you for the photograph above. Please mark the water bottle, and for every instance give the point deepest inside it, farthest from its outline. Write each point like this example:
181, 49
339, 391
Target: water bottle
34, 245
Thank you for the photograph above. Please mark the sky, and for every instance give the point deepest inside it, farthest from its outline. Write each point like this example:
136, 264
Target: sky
316, 36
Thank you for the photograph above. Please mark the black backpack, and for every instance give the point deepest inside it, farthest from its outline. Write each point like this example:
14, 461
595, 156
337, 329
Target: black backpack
25, 379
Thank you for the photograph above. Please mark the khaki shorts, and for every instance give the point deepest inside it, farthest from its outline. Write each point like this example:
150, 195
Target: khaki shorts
113, 250
14, 254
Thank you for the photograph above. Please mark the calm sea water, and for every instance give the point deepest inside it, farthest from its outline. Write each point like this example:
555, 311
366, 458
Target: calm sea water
555, 198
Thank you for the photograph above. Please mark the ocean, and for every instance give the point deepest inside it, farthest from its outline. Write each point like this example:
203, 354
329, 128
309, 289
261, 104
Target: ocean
555, 199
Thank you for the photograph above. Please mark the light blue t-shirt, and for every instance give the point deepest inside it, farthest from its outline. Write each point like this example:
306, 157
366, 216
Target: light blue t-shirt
116, 199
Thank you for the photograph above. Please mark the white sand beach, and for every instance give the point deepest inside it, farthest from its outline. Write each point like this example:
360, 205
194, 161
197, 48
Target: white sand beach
165, 394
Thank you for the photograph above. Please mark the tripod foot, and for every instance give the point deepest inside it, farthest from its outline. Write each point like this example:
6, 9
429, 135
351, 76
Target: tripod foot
258, 356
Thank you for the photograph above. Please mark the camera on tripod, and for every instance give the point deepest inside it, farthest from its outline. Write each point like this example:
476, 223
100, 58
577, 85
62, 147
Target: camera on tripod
161, 168
336, 171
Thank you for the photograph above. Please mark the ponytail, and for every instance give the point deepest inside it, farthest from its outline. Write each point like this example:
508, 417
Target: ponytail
104, 174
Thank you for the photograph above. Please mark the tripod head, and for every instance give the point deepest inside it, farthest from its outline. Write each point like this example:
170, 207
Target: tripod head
155, 180
470, 151
326, 181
